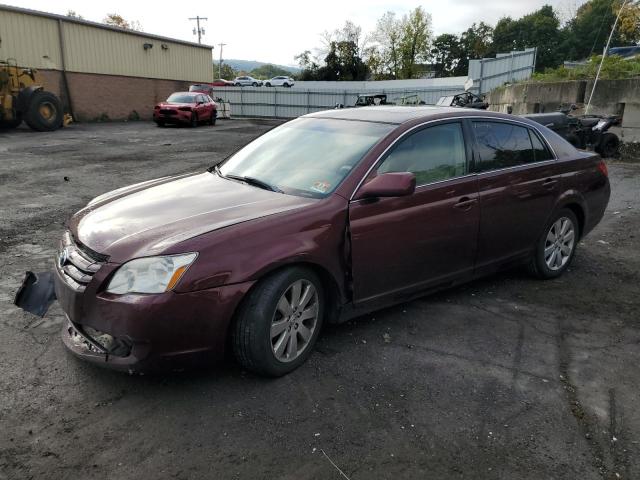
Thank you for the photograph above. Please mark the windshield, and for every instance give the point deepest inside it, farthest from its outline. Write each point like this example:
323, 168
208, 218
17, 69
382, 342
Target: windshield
308, 156
180, 98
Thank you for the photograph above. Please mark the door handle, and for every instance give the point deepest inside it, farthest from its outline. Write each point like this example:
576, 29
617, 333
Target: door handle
465, 203
549, 183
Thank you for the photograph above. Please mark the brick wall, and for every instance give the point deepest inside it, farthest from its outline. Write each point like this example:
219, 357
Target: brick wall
115, 96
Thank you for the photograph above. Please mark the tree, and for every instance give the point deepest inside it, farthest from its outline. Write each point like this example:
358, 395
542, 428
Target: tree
476, 42
414, 44
116, 20
539, 29
446, 54
227, 71
588, 32
269, 71
73, 14
388, 35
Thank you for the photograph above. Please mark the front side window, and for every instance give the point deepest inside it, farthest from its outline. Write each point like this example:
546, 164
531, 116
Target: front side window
434, 154
306, 157
502, 145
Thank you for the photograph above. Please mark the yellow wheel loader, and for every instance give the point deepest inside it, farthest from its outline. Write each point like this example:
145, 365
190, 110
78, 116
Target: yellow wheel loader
23, 98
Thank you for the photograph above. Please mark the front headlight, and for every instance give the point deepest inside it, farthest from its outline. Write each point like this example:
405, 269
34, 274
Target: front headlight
150, 274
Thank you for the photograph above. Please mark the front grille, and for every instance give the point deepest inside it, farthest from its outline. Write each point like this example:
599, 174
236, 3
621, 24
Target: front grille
168, 111
76, 264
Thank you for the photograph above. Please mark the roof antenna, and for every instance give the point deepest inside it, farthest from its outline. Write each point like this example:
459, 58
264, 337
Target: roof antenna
604, 54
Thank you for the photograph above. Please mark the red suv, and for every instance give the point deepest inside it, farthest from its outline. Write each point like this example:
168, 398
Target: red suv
324, 218
189, 108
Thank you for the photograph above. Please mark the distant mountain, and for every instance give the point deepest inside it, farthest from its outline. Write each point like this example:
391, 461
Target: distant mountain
248, 65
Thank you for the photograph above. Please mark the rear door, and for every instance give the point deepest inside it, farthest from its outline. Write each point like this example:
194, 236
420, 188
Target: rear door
424, 239
518, 180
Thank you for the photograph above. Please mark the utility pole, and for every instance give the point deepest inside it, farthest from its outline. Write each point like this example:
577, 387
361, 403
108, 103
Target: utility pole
199, 31
220, 62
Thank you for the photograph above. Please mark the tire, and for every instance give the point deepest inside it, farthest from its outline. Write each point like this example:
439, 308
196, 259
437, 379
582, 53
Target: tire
13, 123
44, 112
608, 146
214, 116
160, 123
262, 332
193, 123
544, 263
237, 85
285, 85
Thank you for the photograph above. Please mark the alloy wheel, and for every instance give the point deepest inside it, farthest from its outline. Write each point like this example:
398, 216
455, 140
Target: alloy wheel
294, 321
559, 243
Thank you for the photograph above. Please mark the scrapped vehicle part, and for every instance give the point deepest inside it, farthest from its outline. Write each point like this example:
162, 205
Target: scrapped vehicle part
371, 99
326, 217
464, 100
585, 131
36, 293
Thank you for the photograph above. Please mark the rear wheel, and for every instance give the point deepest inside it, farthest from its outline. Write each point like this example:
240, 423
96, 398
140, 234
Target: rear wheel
160, 123
608, 146
279, 322
557, 246
44, 112
285, 85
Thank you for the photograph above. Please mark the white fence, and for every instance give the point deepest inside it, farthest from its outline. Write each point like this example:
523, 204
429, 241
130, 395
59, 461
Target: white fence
292, 102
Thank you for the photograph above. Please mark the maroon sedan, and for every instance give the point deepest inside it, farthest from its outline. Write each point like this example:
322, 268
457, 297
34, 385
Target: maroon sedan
189, 108
324, 218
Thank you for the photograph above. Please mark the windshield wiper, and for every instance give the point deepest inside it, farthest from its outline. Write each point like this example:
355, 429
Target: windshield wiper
250, 181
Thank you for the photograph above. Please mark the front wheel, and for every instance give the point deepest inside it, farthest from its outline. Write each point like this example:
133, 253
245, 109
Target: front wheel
214, 116
44, 112
557, 246
279, 322
254, 84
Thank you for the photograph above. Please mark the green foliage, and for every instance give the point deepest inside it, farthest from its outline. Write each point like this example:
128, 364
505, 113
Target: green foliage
538, 29
414, 43
446, 54
613, 68
228, 73
268, 71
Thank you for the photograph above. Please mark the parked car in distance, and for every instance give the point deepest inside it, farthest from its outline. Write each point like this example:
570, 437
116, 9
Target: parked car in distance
221, 82
189, 108
247, 81
464, 99
280, 81
326, 217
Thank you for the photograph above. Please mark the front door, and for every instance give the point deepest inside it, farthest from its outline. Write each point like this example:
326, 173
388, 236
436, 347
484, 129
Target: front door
421, 240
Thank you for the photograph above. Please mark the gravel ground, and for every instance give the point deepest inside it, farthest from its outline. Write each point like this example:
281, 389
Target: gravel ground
507, 377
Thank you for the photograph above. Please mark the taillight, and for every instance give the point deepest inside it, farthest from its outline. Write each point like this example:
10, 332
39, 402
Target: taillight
603, 168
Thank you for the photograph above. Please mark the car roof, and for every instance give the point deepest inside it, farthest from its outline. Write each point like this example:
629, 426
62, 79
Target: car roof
401, 114
186, 93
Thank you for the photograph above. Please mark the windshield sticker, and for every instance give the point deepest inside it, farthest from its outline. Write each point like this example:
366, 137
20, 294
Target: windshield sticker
321, 187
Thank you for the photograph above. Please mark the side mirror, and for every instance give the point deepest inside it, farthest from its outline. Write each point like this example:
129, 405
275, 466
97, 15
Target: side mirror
396, 184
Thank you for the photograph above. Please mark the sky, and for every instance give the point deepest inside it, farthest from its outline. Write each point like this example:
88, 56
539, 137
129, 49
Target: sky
276, 31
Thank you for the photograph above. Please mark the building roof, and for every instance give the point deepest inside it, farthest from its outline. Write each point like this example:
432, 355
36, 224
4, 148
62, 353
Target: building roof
66, 18
399, 114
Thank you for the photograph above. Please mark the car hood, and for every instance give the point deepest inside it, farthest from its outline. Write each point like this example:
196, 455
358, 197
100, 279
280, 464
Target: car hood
151, 217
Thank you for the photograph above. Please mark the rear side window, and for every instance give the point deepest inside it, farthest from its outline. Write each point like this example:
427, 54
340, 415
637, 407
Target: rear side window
540, 150
502, 145
433, 154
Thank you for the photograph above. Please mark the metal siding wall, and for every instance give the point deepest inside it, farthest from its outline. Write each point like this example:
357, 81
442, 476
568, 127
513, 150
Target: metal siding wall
31, 40
96, 50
